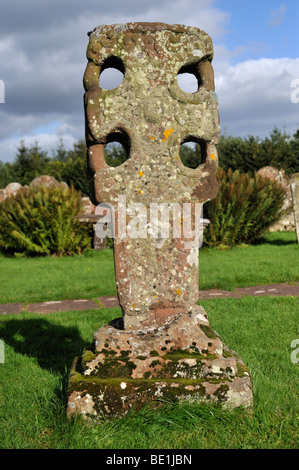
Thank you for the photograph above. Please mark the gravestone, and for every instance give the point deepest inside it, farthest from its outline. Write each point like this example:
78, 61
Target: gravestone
88, 215
46, 181
295, 197
10, 190
162, 347
286, 222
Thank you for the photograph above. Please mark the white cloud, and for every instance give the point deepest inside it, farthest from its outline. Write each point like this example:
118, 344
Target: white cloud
42, 56
24, 128
277, 16
200, 13
47, 142
257, 93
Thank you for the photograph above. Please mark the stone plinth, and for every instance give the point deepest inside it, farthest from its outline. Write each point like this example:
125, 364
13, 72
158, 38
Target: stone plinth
183, 360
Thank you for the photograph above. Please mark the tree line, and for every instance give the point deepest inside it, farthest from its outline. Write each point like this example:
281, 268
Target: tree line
246, 154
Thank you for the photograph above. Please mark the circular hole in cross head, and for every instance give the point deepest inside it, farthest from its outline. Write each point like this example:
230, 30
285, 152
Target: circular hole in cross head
112, 73
193, 152
189, 79
117, 148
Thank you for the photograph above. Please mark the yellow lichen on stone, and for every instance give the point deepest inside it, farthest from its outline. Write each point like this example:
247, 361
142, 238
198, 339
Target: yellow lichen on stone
167, 133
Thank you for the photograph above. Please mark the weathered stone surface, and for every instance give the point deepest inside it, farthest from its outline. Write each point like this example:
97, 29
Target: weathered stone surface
163, 346
287, 222
10, 190
61, 306
44, 180
98, 243
88, 215
274, 174
87, 207
64, 185
115, 397
8, 309
173, 362
295, 197
152, 116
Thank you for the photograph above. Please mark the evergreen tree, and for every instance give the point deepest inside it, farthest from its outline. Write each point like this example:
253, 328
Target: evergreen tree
191, 156
6, 174
230, 152
244, 154
115, 154
293, 164
60, 154
75, 171
29, 163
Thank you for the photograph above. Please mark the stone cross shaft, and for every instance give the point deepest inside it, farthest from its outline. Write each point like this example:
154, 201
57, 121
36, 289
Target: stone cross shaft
157, 278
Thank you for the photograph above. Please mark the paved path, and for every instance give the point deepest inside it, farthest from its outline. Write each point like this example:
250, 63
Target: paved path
107, 302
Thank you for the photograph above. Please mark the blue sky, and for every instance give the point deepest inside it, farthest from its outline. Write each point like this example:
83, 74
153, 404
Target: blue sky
269, 26
42, 61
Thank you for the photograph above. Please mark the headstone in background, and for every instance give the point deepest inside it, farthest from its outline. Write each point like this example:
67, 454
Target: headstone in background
286, 222
10, 190
295, 196
44, 180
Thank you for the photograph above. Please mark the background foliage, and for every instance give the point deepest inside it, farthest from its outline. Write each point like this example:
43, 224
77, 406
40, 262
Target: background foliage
244, 154
65, 165
252, 153
43, 222
246, 205
244, 208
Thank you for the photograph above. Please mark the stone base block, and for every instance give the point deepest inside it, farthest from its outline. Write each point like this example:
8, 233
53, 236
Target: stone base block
184, 360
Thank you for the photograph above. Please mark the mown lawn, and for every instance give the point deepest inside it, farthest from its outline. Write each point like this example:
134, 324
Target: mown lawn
39, 350
91, 275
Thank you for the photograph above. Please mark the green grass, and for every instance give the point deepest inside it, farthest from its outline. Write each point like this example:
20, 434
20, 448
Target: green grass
39, 351
91, 275
44, 278
274, 260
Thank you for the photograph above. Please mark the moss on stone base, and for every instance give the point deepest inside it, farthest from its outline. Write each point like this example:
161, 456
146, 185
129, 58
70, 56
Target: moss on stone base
242, 370
209, 332
116, 396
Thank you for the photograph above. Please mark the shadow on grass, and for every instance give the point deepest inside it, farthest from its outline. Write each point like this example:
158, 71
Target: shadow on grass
54, 346
275, 242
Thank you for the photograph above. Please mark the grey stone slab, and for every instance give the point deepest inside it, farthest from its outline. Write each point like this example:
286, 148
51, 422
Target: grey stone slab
109, 302
270, 290
62, 306
217, 293
6, 309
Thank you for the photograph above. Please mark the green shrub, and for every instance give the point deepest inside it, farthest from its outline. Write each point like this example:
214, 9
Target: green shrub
243, 210
43, 222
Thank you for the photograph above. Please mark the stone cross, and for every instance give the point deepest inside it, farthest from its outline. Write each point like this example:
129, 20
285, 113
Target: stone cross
163, 345
152, 117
